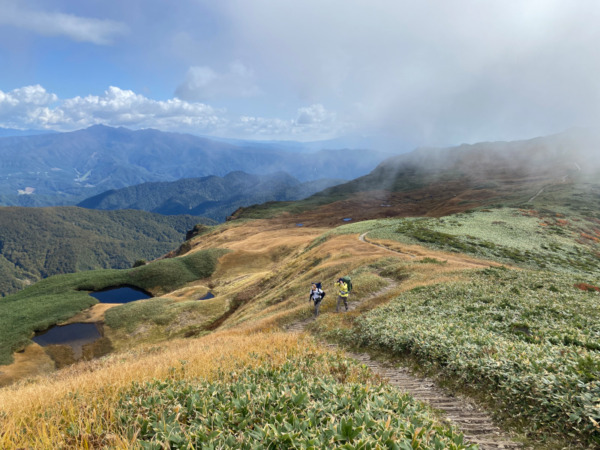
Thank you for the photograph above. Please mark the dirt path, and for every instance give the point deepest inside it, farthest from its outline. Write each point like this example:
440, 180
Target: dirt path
457, 259
363, 238
537, 194
476, 425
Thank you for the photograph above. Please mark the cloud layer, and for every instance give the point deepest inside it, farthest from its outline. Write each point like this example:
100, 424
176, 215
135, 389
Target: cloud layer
435, 71
32, 107
425, 72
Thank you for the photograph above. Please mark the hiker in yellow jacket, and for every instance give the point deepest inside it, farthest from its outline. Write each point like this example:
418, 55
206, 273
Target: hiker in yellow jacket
343, 292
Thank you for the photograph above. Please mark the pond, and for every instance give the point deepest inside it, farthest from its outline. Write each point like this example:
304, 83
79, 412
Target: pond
347, 219
75, 335
123, 294
207, 296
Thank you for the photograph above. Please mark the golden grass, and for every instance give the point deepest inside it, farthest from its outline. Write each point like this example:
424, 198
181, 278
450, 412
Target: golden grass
38, 414
91, 315
192, 319
417, 252
33, 361
270, 269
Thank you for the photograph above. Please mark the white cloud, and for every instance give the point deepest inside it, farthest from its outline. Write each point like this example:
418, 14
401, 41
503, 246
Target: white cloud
25, 107
32, 107
82, 29
203, 83
311, 123
314, 114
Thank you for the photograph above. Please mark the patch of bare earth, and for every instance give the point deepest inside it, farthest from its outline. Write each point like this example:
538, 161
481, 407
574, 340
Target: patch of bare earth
30, 362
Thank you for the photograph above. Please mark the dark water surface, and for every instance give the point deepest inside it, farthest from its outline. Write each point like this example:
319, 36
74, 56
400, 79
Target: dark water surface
75, 335
123, 294
207, 296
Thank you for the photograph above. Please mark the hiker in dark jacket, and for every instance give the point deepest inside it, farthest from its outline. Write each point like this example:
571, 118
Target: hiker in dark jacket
316, 295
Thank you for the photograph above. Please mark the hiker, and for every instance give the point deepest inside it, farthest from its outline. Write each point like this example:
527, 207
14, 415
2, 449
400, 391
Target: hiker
342, 294
316, 295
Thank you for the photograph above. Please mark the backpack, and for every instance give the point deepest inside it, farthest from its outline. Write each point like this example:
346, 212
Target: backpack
348, 282
319, 289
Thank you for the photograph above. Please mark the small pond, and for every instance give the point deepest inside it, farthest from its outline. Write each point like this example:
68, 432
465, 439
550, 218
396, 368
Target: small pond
347, 219
124, 294
207, 296
299, 224
75, 335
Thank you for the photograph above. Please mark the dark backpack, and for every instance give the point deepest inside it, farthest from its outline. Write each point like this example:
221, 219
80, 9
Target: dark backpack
348, 282
322, 292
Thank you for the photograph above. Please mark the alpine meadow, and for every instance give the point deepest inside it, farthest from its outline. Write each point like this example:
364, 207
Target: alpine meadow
311, 225
485, 290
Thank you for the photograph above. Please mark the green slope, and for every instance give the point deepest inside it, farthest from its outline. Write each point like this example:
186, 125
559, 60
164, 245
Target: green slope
58, 298
38, 242
213, 197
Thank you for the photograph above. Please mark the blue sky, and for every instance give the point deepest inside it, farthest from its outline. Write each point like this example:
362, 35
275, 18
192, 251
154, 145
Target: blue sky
422, 72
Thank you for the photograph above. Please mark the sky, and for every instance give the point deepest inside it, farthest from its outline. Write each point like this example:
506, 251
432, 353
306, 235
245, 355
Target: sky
402, 72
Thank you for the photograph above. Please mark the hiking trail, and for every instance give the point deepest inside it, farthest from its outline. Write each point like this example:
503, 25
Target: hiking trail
363, 238
463, 413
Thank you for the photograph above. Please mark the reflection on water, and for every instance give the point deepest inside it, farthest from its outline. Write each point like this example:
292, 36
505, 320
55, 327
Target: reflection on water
124, 294
75, 335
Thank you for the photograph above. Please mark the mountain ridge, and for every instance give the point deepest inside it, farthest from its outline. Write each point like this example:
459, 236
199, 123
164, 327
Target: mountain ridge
212, 196
66, 168
441, 181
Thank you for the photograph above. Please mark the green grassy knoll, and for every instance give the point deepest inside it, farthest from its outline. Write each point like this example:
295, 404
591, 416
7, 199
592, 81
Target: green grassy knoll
315, 401
541, 239
582, 196
60, 297
157, 316
527, 340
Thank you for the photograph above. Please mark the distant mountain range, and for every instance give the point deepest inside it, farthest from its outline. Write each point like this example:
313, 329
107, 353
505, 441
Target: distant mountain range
213, 197
66, 168
38, 242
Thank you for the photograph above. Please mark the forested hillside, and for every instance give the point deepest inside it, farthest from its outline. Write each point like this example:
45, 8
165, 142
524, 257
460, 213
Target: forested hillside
38, 242
214, 197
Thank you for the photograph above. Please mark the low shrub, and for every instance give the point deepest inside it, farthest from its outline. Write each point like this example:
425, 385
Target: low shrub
320, 402
528, 339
